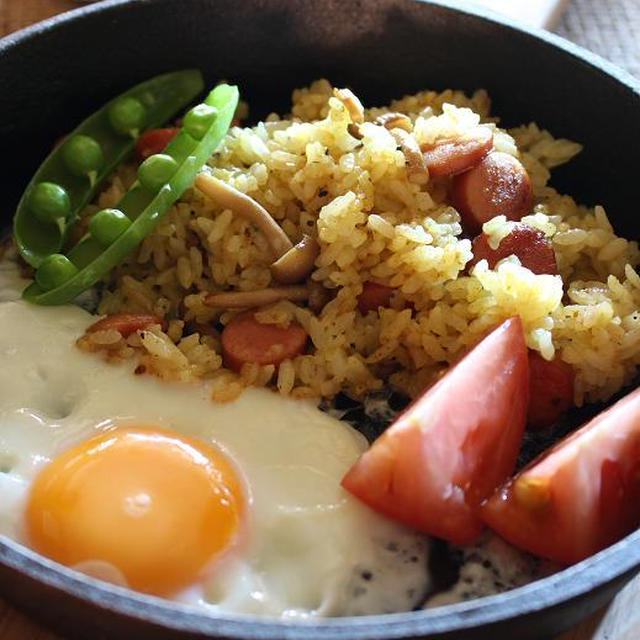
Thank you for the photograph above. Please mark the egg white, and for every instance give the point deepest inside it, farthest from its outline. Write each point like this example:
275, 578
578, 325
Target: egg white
310, 548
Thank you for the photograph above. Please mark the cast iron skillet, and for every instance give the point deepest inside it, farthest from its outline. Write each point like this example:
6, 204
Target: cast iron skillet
55, 73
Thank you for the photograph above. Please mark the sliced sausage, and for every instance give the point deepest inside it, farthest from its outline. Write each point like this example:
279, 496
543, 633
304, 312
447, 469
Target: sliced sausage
126, 323
530, 246
373, 295
244, 339
499, 185
450, 156
551, 390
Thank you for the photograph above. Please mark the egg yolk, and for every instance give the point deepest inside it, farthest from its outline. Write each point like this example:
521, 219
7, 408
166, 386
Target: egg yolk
154, 504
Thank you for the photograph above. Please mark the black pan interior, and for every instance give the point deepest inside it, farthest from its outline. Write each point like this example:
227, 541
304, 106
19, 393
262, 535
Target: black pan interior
56, 73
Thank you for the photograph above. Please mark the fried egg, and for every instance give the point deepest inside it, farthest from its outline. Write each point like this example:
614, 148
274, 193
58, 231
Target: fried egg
149, 484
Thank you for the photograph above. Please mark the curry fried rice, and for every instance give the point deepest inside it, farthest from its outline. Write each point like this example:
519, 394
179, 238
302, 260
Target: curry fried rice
351, 188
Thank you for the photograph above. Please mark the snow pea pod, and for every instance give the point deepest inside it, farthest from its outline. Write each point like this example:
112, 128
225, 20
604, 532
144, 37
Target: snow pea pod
143, 205
70, 176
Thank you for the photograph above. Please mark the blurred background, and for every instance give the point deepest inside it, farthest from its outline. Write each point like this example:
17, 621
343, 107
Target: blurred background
610, 28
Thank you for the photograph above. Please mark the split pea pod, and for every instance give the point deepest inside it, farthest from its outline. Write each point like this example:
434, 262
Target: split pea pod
162, 178
70, 176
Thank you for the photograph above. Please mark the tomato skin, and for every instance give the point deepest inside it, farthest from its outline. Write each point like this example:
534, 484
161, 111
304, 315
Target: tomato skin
154, 141
454, 445
551, 389
579, 496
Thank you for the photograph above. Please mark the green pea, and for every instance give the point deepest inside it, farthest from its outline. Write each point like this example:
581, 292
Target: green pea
82, 155
49, 201
127, 116
156, 171
54, 271
107, 225
198, 120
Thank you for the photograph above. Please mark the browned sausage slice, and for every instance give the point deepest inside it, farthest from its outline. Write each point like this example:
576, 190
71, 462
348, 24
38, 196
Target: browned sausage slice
244, 339
126, 323
499, 185
373, 295
530, 246
449, 156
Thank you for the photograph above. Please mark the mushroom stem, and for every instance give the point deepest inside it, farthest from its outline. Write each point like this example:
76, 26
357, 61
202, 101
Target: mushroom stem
355, 130
394, 120
351, 102
295, 265
417, 171
249, 299
244, 206
318, 296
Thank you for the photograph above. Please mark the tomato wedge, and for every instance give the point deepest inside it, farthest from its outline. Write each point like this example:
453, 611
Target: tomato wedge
154, 141
454, 445
579, 496
551, 389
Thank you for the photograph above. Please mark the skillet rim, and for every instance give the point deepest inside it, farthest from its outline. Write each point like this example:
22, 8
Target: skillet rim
598, 570
614, 563
456, 6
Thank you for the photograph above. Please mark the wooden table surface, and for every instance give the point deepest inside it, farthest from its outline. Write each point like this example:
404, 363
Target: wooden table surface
622, 619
